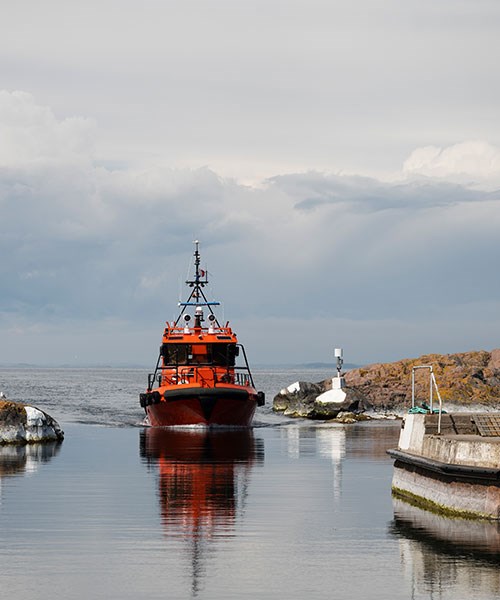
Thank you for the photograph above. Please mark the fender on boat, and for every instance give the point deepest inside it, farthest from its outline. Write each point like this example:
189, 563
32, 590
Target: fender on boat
173, 394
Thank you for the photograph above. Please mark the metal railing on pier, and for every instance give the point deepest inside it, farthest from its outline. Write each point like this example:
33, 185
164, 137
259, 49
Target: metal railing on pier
432, 385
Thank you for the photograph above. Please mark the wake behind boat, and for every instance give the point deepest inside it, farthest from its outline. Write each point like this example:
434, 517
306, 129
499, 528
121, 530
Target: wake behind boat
197, 380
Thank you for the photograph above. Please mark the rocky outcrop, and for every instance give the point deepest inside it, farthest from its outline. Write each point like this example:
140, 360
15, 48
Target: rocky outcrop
24, 424
301, 400
467, 379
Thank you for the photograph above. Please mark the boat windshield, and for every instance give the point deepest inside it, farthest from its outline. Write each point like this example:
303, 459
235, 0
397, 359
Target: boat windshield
219, 354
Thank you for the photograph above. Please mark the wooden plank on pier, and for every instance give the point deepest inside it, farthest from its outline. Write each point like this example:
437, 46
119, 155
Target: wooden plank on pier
488, 425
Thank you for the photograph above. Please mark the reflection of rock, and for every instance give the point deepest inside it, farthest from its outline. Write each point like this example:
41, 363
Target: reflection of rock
22, 424
331, 445
304, 399
16, 458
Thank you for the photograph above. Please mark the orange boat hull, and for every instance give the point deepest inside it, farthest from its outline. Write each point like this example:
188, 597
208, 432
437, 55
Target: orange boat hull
204, 407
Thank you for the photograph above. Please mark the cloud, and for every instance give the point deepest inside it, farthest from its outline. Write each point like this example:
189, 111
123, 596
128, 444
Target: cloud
30, 133
366, 194
466, 161
307, 259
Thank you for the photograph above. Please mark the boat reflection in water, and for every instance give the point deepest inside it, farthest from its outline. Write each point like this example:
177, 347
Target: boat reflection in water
447, 557
203, 480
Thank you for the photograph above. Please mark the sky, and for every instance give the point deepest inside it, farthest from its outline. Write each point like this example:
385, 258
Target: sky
339, 162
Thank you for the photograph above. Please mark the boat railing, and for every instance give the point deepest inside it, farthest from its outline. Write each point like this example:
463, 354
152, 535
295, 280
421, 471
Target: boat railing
192, 375
432, 385
175, 330
246, 368
242, 378
235, 375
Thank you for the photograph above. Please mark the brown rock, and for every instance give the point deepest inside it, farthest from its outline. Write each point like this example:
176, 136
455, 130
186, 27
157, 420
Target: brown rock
468, 378
12, 413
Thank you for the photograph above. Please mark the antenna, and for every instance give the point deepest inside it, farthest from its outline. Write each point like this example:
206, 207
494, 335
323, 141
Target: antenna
197, 296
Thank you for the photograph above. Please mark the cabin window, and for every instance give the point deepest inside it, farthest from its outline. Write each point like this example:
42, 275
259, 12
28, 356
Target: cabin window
221, 355
176, 354
224, 354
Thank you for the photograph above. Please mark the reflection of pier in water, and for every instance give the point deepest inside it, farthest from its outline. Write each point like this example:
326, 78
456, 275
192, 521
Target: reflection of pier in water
447, 557
203, 480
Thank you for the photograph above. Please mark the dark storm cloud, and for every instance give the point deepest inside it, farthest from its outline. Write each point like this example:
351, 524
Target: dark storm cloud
91, 249
101, 249
110, 245
370, 195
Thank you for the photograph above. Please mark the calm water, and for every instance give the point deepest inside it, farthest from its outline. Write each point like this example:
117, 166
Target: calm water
288, 509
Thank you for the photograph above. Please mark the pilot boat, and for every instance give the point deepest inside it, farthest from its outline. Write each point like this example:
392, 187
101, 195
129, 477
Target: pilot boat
202, 375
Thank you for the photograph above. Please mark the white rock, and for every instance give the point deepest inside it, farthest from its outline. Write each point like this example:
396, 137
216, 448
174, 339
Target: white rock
38, 427
294, 387
337, 396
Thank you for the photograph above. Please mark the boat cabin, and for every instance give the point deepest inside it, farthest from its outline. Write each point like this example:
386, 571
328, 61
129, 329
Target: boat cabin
218, 354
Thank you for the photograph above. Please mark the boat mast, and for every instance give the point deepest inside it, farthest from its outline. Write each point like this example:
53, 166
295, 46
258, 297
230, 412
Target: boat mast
197, 296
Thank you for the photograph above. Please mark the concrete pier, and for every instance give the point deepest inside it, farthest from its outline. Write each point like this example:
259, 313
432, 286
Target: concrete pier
456, 471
